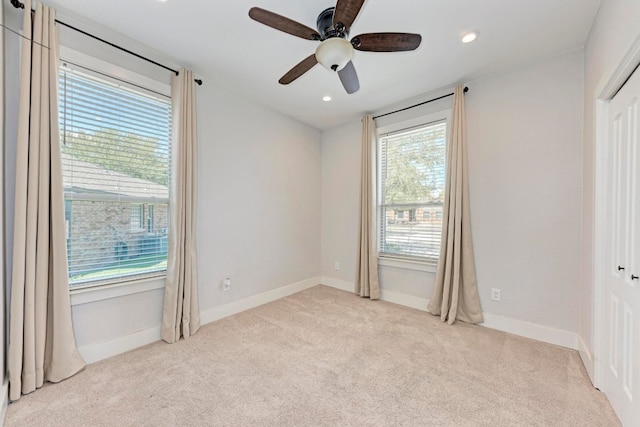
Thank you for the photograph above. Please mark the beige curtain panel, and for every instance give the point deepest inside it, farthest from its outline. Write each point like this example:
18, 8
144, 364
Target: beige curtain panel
367, 269
181, 315
455, 292
41, 341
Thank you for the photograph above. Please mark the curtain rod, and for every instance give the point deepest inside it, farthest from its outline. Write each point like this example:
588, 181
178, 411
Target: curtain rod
18, 5
466, 89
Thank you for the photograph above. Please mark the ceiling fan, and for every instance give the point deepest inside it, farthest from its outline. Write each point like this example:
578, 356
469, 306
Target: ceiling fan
335, 52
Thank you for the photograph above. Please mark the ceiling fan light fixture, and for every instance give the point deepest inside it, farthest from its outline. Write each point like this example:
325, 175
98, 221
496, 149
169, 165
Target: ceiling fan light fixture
334, 53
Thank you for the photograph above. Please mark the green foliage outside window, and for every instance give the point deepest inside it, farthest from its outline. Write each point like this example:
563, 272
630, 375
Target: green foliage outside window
111, 149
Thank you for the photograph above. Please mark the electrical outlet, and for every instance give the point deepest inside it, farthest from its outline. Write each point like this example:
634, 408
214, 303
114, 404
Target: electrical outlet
495, 294
336, 265
226, 285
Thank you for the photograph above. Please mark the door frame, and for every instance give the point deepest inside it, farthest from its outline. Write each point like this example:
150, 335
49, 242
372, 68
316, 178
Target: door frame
603, 94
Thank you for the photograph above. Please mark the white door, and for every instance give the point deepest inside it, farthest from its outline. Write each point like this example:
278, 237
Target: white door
622, 287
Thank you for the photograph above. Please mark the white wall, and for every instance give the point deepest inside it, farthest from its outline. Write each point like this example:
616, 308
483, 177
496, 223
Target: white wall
258, 210
340, 198
525, 149
614, 30
524, 135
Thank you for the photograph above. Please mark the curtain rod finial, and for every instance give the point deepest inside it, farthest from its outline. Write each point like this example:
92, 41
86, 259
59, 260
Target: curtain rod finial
17, 4
466, 89
198, 81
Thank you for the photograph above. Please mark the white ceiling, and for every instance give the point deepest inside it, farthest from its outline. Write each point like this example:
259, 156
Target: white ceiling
220, 41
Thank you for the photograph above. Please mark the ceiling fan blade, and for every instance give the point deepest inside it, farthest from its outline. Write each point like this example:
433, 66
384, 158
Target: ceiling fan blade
346, 12
386, 42
349, 78
304, 66
281, 23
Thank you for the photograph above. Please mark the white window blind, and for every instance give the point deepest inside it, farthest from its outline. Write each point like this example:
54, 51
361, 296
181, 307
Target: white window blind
115, 160
411, 191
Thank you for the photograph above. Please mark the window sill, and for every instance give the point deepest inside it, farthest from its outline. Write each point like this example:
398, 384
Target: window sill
407, 264
91, 294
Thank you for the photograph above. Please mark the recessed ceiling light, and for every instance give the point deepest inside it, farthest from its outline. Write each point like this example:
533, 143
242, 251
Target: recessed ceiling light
469, 37
326, 98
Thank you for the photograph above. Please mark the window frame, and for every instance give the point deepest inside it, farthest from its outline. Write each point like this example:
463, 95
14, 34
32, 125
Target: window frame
124, 77
401, 260
149, 218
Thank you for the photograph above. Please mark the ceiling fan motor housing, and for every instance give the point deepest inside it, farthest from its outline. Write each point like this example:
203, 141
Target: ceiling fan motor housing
325, 25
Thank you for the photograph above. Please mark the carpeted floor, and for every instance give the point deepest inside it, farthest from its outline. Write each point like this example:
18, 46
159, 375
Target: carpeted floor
324, 357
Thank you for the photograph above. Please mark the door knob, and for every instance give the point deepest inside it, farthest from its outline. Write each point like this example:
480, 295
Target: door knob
620, 268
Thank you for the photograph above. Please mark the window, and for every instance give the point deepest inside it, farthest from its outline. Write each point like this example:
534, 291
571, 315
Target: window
115, 161
411, 171
136, 216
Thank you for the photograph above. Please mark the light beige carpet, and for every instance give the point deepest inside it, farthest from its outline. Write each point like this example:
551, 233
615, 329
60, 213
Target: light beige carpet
324, 357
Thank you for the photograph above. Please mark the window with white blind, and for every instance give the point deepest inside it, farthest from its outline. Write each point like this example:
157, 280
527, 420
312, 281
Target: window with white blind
136, 213
411, 181
116, 156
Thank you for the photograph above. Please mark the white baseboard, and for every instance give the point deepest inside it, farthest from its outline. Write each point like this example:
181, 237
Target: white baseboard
92, 353
587, 358
253, 301
531, 330
95, 352
343, 285
403, 299
389, 296
5, 400
492, 321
